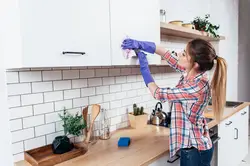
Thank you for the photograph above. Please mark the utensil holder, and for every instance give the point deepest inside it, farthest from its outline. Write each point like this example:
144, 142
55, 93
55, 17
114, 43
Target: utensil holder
104, 130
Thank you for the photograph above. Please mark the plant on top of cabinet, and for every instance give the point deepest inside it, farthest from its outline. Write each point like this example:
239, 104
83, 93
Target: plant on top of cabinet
203, 24
73, 125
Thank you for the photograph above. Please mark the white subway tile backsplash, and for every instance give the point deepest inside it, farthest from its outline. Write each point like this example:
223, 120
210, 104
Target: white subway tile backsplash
80, 102
43, 108
80, 83
33, 121
16, 124
102, 90
53, 96
18, 89
29, 99
14, 101
87, 73
18, 157
12, 77
108, 80
51, 75
95, 99
126, 71
30, 76
101, 72
34, 143
59, 126
20, 112
115, 104
22, 135
71, 74
94, 82
17, 147
59, 105
132, 93
126, 87
120, 79
70, 94
45, 129
53, 117
88, 92
120, 95
62, 85
51, 137
41, 87
115, 88
114, 72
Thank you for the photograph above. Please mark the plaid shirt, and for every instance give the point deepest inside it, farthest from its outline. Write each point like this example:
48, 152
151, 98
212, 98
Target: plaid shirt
188, 99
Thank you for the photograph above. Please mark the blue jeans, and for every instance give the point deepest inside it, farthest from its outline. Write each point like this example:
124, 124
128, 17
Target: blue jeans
194, 157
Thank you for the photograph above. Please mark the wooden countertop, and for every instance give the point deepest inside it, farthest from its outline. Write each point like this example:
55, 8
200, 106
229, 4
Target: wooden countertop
146, 146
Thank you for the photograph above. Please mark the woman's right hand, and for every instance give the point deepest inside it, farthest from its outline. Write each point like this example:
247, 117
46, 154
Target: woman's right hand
135, 44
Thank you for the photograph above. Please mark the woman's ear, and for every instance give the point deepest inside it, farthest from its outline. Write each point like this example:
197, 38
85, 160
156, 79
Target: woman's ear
196, 66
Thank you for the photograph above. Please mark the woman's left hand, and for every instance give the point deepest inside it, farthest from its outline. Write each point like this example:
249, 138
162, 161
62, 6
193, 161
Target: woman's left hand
144, 68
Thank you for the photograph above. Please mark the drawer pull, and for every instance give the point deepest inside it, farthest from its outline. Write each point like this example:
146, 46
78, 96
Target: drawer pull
230, 122
237, 133
70, 52
243, 113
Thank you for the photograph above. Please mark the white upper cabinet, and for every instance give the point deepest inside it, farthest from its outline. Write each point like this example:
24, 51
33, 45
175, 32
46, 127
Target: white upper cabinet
136, 19
51, 33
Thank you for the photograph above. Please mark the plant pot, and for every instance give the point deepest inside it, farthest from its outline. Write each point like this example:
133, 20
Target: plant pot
62, 144
139, 121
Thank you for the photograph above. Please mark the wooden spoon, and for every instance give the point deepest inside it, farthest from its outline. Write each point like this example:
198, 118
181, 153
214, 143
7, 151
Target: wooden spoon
94, 113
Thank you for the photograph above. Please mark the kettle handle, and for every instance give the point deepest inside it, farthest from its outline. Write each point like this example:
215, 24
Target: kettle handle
156, 106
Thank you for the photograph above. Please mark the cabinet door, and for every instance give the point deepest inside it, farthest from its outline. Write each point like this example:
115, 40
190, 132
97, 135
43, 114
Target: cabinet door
51, 27
136, 19
241, 134
226, 143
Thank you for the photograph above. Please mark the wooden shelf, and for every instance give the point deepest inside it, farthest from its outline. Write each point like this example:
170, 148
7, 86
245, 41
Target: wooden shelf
179, 31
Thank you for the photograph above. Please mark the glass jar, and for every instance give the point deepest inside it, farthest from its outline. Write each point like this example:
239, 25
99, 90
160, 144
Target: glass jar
163, 15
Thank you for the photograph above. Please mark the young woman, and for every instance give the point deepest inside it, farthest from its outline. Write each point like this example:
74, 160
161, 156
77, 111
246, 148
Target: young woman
189, 130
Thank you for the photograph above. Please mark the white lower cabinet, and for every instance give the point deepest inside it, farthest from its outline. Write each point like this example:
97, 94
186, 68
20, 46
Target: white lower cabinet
233, 145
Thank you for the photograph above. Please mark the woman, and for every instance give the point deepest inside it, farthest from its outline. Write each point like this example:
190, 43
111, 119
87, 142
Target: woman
189, 130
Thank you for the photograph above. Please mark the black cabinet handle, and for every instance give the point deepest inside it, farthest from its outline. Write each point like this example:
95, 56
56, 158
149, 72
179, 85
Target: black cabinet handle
237, 133
243, 113
230, 122
70, 52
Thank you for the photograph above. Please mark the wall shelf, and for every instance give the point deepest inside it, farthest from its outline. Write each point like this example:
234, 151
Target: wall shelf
179, 31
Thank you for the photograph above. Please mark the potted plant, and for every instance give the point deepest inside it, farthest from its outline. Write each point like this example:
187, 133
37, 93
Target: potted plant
204, 25
138, 118
73, 125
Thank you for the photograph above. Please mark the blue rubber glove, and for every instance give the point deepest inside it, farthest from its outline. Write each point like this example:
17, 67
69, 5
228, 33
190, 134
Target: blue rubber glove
144, 68
142, 45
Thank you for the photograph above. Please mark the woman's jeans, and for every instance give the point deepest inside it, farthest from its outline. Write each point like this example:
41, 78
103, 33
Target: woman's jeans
194, 157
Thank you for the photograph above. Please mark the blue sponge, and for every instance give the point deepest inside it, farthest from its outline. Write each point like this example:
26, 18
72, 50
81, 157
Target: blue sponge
124, 142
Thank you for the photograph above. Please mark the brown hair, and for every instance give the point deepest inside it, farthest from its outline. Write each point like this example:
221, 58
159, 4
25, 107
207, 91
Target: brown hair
203, 53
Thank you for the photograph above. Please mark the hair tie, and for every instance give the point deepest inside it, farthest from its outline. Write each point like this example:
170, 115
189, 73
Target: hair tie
216, 57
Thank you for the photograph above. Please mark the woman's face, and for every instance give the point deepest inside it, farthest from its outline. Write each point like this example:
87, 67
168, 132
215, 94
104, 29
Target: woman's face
184, 60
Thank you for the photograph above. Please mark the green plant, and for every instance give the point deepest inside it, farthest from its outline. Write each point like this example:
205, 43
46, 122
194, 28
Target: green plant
72, 124
203, 24
137, 110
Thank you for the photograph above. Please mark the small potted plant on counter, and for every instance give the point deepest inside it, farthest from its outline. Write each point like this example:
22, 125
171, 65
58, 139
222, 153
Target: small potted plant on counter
138, 118
73, 125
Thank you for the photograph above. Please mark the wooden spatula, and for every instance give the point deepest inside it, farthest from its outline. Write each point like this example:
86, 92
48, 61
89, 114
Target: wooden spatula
85, 117
94, 113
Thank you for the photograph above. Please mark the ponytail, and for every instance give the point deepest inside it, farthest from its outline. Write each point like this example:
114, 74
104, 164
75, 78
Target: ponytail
218, 87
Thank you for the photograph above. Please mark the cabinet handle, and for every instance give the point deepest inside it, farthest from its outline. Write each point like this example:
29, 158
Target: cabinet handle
237, 133
230, 122
70, 52
243, 113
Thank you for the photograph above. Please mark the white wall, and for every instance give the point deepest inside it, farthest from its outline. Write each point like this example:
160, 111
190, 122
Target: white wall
224, 13
244, 50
